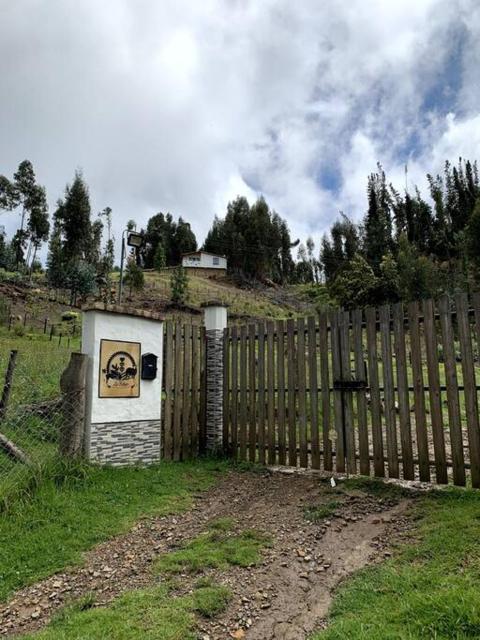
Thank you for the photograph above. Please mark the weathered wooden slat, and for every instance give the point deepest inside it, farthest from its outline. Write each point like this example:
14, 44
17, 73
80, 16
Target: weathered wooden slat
434, 391
337, 394
261, 392
325, 390
226, 390
403, 393
349, 431
168, 380
202, 417
374, 385
271, 454
476, 307
361, 394
453, 400
291, 396
187, 385
418, 392
234, 398
313, 394
389, 395
281, 430
194, 408
242, 435
177, 408
252, 385
302, 394
471, 397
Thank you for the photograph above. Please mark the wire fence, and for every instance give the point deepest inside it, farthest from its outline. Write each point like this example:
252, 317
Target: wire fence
33, 414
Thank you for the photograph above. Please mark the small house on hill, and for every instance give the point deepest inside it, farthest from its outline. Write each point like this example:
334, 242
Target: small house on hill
202, 262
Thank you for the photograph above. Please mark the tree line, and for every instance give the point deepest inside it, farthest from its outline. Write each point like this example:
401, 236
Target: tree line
405, 247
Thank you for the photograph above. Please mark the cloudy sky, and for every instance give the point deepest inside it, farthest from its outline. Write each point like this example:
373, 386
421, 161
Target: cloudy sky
180, 105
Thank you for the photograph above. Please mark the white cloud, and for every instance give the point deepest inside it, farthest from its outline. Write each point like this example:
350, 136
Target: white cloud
182, 105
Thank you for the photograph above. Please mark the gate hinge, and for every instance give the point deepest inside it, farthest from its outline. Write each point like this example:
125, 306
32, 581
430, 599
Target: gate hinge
349, 385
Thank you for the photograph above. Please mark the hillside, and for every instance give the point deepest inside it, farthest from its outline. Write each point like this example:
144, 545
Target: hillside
33, 303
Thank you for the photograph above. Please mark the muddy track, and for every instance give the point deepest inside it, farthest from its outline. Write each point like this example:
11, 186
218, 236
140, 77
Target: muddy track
285, 597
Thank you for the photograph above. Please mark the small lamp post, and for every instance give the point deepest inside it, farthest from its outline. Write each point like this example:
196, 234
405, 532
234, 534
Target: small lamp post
134, 239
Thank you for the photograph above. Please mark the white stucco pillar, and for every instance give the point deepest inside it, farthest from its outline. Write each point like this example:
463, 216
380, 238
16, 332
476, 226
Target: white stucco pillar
215, 320
123, 403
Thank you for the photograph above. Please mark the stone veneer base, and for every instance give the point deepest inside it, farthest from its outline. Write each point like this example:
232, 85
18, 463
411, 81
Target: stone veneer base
125, 443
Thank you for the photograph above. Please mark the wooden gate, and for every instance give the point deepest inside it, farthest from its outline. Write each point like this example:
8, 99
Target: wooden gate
389, 392
183, 397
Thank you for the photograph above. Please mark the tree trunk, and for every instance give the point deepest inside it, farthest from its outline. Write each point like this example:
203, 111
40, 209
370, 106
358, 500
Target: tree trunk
72, 384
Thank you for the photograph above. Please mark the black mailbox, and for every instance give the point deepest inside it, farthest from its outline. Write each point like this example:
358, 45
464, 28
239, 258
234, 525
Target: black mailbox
149, 366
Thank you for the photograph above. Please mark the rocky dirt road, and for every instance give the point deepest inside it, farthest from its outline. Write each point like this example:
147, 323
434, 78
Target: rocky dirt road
285, 597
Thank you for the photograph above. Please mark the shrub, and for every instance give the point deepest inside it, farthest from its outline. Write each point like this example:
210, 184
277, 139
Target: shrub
19, 329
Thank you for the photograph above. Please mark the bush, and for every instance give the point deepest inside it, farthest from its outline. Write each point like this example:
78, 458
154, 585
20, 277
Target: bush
69, 316
19, 329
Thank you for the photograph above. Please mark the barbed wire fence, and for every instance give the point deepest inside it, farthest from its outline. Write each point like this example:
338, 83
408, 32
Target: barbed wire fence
39, 413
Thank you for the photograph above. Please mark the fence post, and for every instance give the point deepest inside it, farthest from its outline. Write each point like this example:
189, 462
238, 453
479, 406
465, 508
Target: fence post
7, 387
72, 385
215, 319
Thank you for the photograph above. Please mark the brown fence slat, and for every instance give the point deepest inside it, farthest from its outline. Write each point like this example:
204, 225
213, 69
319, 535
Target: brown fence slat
177, 410
168, 387
271, 457
234, 397
418, 392
202, 417
226, 387
281, 431
325, 387
195, 404
291, 405
302, 394
361, 394
403, 392
187, 384
242, 430
453, 400
471, 397
337, 394
252, 385
434, 391
389, 394
349, 430
476, 306
261, 393
374, 386
313, 386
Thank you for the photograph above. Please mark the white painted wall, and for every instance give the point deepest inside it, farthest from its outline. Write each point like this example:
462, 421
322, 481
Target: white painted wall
98, 325
205, 261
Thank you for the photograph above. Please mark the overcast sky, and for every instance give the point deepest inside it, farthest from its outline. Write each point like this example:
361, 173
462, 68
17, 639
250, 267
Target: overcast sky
181, 105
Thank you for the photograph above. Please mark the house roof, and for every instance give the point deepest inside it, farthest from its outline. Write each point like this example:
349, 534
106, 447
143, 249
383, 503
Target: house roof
207, 253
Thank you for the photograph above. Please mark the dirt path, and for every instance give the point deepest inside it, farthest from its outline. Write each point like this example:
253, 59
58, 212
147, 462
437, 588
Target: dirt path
285, 597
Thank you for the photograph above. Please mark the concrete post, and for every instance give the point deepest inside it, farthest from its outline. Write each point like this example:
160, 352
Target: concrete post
215, 319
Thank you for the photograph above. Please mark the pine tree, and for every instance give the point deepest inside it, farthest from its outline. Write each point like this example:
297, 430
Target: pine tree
76, 224
159, 261
179, 285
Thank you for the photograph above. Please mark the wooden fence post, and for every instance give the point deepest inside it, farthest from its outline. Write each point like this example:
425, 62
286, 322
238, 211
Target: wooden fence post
7, 387
72, 385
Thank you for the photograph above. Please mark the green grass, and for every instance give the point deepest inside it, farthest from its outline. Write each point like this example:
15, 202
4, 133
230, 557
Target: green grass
429, 589
315, 513
217, 548
147, 614
69, 514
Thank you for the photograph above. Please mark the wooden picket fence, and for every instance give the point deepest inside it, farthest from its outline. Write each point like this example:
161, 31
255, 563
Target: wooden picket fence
389, 392
184, 402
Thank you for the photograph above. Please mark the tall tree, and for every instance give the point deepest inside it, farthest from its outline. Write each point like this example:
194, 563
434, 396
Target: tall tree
378, 220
